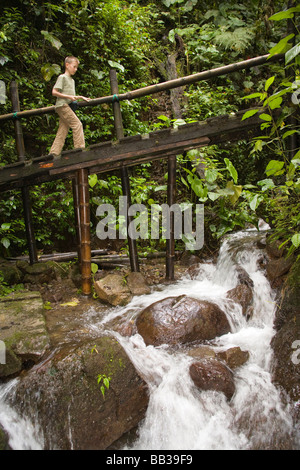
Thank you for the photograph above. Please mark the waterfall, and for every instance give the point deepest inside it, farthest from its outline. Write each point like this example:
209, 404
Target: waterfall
23, 433
179, 415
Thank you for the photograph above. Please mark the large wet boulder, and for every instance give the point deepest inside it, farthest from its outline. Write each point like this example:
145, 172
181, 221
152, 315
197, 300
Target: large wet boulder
84, 396
211, 374
181, 319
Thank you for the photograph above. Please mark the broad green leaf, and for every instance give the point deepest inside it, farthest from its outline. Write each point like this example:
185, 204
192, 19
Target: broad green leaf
5, 242
254, 95
94, 268
292, 53
258, 145
275, 103
265, 117
225, 192
48, 70
5, 226
255, 201
184, 181
116, 65
237, 191
2, 89
93, 180
172, 36
249, 113
288, 133
98, 74
211, 175
296, 240
269, 82
198, 188
52, 39
106, 382
275, 96
178, 122
266, 184
283, 15
281, 46
163, 118
265, 125
274, 167
231, 169
213, 196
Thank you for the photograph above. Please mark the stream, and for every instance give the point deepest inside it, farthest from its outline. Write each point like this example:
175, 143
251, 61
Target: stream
179, 416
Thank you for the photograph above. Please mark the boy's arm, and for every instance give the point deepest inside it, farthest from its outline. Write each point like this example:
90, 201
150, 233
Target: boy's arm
58, 94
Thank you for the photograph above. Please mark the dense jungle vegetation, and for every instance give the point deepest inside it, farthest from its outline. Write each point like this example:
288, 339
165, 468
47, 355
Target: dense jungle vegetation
150, 41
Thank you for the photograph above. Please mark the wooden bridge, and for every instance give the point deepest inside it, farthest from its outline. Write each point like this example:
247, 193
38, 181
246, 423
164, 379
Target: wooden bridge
120, 154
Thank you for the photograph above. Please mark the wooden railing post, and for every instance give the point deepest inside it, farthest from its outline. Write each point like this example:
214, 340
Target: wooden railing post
171, 197
85, 231
27, 208
134, 262
75, 189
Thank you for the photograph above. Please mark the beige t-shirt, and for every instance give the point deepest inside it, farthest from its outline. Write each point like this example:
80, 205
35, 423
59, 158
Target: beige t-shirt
66, 85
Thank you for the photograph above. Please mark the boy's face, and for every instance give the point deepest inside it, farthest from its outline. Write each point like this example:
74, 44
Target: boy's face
71, 67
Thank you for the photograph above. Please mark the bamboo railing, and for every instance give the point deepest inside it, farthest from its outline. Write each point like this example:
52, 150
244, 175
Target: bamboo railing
157, 88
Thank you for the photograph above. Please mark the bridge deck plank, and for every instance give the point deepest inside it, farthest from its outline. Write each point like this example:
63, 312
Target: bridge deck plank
129, 151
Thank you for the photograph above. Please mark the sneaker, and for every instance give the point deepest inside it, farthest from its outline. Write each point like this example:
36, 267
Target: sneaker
54, 156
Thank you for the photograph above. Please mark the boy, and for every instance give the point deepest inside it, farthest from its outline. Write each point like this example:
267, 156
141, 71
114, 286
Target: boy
64, 90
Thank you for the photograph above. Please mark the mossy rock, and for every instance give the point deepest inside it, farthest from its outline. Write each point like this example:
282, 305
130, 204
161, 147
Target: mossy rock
23, 329
73, 412
287, 323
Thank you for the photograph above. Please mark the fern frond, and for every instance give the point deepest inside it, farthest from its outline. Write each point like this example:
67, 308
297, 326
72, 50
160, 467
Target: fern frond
237, 40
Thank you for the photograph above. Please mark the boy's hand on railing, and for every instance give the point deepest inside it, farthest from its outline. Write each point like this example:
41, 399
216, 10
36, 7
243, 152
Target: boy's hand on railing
84, 98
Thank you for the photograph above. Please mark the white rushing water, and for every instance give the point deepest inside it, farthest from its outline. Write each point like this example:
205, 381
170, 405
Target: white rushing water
23, 434
179, 416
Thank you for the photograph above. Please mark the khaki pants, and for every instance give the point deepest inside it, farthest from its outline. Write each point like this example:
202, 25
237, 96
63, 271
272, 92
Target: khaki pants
67, 120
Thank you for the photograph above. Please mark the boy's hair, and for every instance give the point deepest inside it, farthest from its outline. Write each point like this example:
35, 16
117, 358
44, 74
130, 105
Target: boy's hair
70, 59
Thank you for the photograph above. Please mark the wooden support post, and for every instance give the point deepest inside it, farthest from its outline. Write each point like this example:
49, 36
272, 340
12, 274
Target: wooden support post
170, 247
27, 208
75, 188
134, 262
85, 232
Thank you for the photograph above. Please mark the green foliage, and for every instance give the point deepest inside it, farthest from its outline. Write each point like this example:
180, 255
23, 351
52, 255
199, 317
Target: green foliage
136, 37
214, 183
103, 381
277, 196
6, 289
